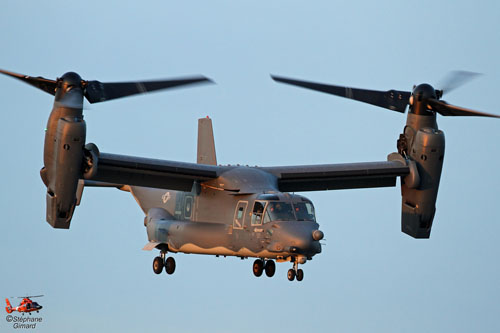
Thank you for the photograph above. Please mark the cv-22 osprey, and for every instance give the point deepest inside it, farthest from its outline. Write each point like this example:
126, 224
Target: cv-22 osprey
242, 211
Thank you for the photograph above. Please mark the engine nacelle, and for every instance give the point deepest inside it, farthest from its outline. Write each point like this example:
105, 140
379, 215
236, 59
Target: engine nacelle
65, 170
426, 145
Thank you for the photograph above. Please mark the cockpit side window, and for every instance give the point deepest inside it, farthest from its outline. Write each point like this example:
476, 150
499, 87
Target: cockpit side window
258, 210
304, 211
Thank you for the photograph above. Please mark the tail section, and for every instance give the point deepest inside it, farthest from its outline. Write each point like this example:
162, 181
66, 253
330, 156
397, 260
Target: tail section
206, 145
8, 308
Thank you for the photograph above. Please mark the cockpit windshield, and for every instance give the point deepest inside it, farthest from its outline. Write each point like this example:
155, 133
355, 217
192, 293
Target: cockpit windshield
279, 211
289, 211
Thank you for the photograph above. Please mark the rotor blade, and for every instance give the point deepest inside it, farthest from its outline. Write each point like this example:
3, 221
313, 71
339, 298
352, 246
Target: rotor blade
446, 109
392, 99
49, 86
99, 92
455, 79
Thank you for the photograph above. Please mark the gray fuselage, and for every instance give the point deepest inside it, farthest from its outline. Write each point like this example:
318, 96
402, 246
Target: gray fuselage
212, 219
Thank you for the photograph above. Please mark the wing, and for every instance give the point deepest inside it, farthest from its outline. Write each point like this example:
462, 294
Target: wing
337, 176
139, 171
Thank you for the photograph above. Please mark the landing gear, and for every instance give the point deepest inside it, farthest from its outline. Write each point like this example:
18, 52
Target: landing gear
158, 265
258, 267
270, 268
170, 265
300, 275
160, 262
295, 272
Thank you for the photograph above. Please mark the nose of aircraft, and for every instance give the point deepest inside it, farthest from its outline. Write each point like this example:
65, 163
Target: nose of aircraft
302, 238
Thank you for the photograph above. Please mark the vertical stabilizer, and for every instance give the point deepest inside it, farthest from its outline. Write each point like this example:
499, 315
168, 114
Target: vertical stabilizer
206, 144
8, 308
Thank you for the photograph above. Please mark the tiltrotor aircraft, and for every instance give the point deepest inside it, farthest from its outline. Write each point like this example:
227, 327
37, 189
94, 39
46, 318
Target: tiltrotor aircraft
242, 211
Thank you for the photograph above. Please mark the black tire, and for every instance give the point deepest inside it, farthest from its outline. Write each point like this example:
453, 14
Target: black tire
258, 267
270, 268
157, 265
170, 265
300, 275
290, 275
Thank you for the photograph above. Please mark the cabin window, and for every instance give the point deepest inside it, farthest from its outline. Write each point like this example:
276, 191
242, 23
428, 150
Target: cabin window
258, 210
188, 207
239, 215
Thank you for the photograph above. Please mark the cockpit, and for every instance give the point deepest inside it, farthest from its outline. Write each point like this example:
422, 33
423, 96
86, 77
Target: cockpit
269, 208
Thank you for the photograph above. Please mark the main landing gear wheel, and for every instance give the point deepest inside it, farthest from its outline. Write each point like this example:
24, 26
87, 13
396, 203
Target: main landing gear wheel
158, 265
258, 267
270, 268
290, 274
170, 265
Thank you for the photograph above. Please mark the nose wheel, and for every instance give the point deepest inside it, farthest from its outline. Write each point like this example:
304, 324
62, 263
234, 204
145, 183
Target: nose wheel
299, 275
295, 272
170, 265
160, 262
157, 265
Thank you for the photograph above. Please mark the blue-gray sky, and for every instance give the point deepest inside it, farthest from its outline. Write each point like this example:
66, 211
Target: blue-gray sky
370, 277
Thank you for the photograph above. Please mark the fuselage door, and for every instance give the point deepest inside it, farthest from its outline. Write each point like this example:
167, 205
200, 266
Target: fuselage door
239, 215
